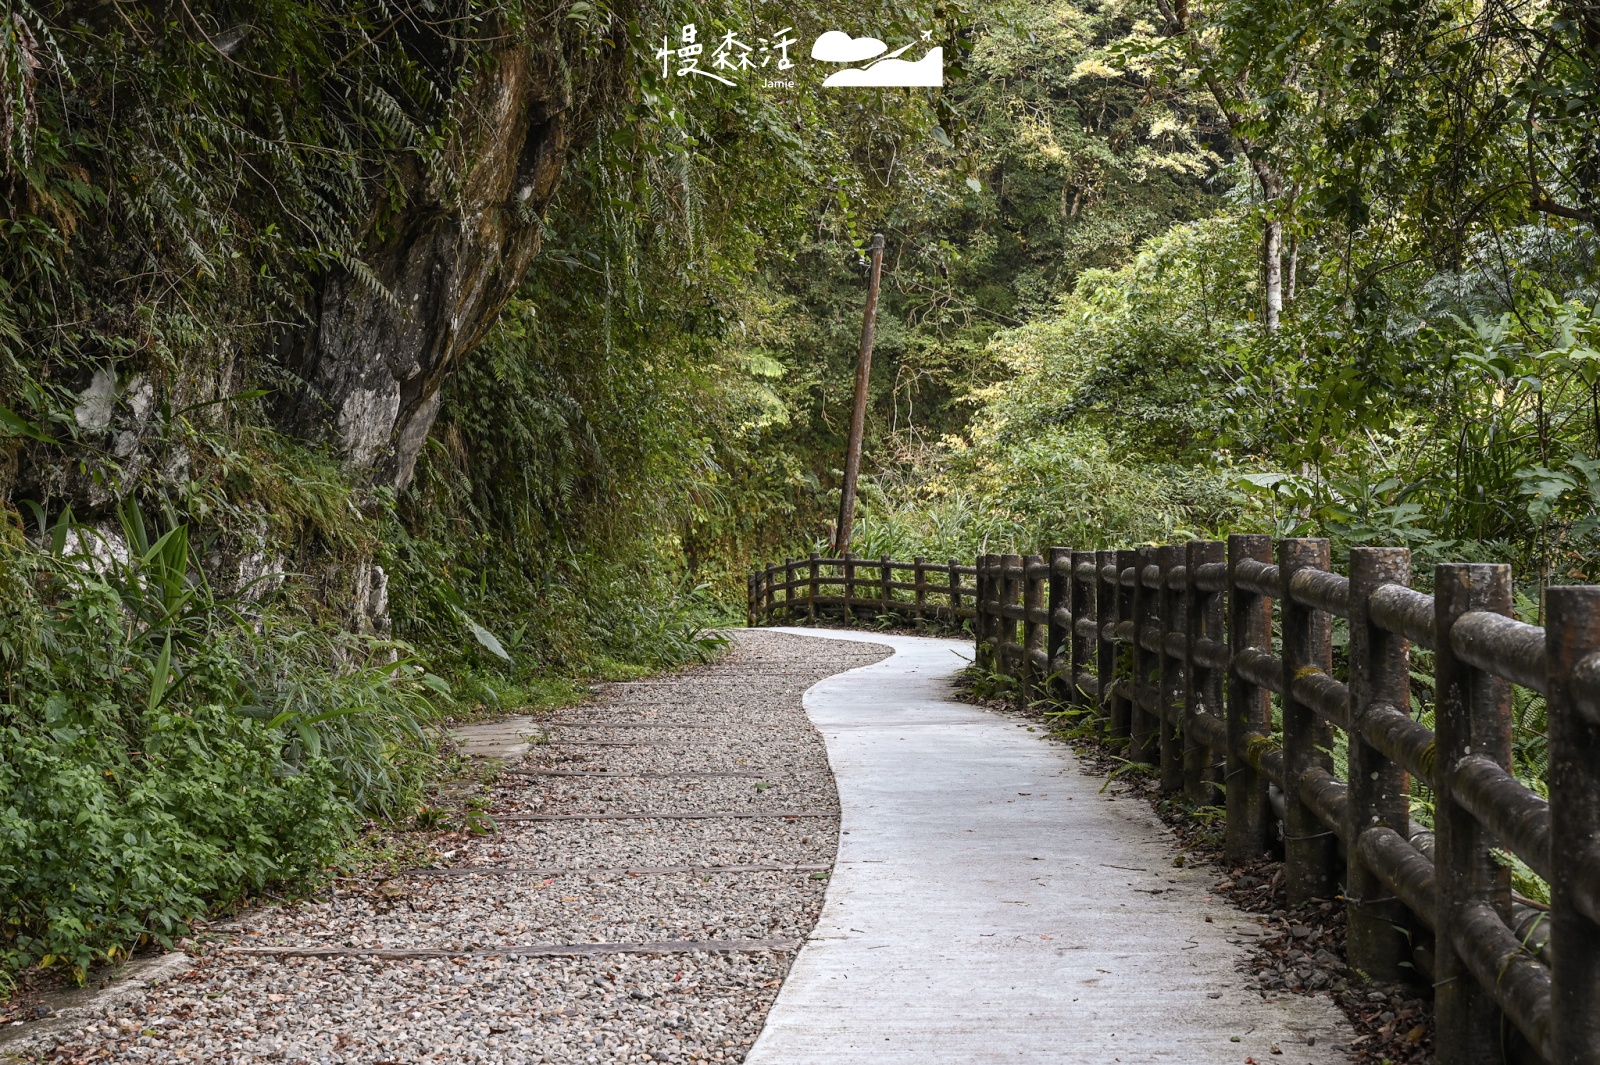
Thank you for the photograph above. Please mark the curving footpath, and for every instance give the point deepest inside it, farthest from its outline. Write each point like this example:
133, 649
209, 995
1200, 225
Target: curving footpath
991, 905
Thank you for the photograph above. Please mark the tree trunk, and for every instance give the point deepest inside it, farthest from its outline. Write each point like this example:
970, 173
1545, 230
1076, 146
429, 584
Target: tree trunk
1294, 268
1272, 271
1176, 14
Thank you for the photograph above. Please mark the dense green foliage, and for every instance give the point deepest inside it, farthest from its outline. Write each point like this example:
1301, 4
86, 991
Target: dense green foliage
1045, 164
166, 748
190, 722
1433, 380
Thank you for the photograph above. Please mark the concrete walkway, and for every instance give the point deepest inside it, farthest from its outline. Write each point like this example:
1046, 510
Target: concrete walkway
990, 905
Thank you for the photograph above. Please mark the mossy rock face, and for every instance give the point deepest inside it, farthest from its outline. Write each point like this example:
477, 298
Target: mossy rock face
454, 256
302, 208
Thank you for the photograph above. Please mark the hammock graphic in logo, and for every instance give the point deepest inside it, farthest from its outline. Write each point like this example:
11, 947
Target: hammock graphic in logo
891, 70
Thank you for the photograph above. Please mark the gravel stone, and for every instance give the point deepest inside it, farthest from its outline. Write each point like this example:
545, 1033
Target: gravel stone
234, 1008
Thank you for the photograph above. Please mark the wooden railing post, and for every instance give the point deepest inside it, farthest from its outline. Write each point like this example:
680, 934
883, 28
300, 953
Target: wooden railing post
885, 593
1472, 716
1310, 848
1058, 634
1122, 703
1380, 790
1105, 646
750, 599
1249, 706
770, 587
919, 578
849, 588
811, 591
1010, 597
1572, 633
1169, 693
1144, 728
984, 628
955, 599
1034, 585
990, 605
1203, 685
788, 589
1082, 684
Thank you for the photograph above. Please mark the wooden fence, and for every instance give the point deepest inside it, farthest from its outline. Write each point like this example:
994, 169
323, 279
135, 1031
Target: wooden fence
804, 589
1174, 648
1214, 663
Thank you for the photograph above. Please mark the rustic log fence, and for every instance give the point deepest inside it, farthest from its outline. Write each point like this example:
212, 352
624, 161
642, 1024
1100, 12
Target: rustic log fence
1213, 662
851, 588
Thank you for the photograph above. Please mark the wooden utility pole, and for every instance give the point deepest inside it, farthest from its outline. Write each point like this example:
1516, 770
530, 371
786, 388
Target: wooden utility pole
858, 414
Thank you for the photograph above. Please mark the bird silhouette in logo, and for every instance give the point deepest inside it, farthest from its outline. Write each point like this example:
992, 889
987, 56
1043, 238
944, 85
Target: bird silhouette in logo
888, 71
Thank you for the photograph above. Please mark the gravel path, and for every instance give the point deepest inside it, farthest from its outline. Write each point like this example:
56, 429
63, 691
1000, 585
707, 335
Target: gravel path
448, 990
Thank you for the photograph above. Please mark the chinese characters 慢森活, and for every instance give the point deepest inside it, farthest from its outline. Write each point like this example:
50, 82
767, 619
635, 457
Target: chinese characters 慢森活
730, 54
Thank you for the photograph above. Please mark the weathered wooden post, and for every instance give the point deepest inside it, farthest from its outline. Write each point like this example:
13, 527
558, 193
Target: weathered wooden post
1202, 694
955, 598
1083, 684
1105, 644
1145, 737
1572, 638
1011, 580
989, 603
750, 599
1033, 631
996, 603
1058, 634
1472, 716
1169, 690
1249, 705
811, 592
1380, 790
919, 578
770, 587
885, 593
788, 589
1122, 702
983, 620
849, 588
1310, 848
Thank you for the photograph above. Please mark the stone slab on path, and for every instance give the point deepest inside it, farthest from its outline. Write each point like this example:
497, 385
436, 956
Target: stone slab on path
991, 905
507, 740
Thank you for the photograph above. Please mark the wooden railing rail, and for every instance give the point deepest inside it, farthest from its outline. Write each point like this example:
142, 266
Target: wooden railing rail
854, 588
